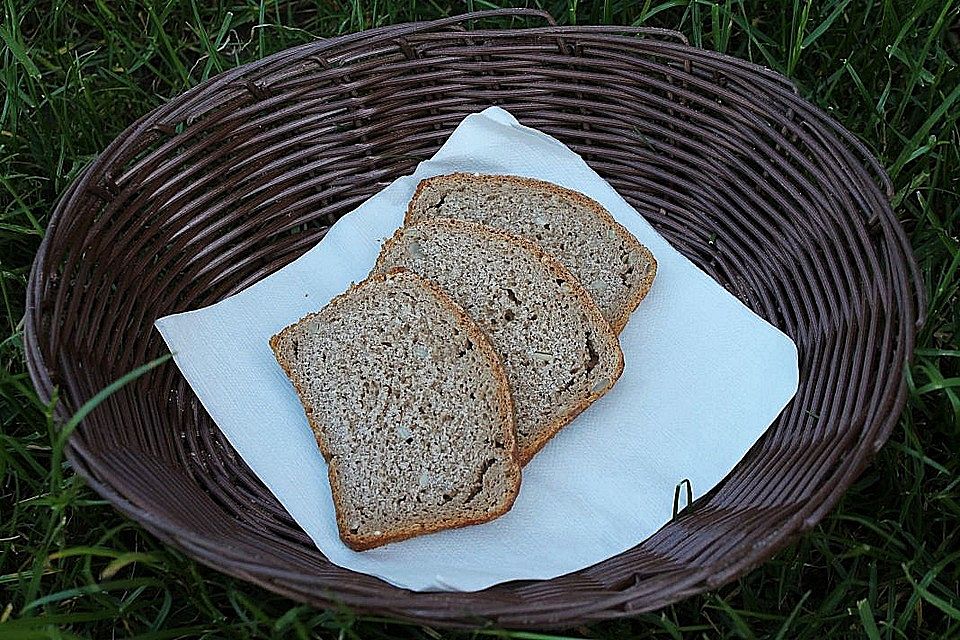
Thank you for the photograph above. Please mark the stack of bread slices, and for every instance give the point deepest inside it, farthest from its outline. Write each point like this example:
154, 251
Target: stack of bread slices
489, 322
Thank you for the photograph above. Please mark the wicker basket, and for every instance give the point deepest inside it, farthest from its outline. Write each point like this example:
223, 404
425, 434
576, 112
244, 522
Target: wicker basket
240, 175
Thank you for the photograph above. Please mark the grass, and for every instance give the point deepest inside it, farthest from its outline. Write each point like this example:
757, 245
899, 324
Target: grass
884, 565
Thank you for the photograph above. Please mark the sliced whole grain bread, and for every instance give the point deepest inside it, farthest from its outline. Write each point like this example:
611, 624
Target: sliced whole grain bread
616, 269
559, 353
410, 406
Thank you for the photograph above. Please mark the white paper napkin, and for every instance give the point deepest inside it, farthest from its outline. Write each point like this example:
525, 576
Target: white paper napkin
704, 377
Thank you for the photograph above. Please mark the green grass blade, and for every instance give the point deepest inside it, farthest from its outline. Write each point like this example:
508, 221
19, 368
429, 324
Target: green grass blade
868, 621
105, 393
823, 26
19, 52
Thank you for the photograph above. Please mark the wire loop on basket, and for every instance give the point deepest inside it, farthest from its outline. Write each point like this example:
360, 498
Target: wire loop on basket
242, 174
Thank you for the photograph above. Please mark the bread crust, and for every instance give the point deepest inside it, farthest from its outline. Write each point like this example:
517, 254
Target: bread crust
558, 271
363, 542
618, 322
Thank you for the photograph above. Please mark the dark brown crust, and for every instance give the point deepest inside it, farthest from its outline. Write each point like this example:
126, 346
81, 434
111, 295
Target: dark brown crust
637, 295
556, 268
295, 380
505, 405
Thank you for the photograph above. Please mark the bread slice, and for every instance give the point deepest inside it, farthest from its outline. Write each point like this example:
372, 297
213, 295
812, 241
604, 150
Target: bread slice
559, 353
410, 406
616, 269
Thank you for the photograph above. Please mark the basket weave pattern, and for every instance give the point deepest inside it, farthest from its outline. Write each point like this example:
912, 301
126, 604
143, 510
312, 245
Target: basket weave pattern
239, 176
